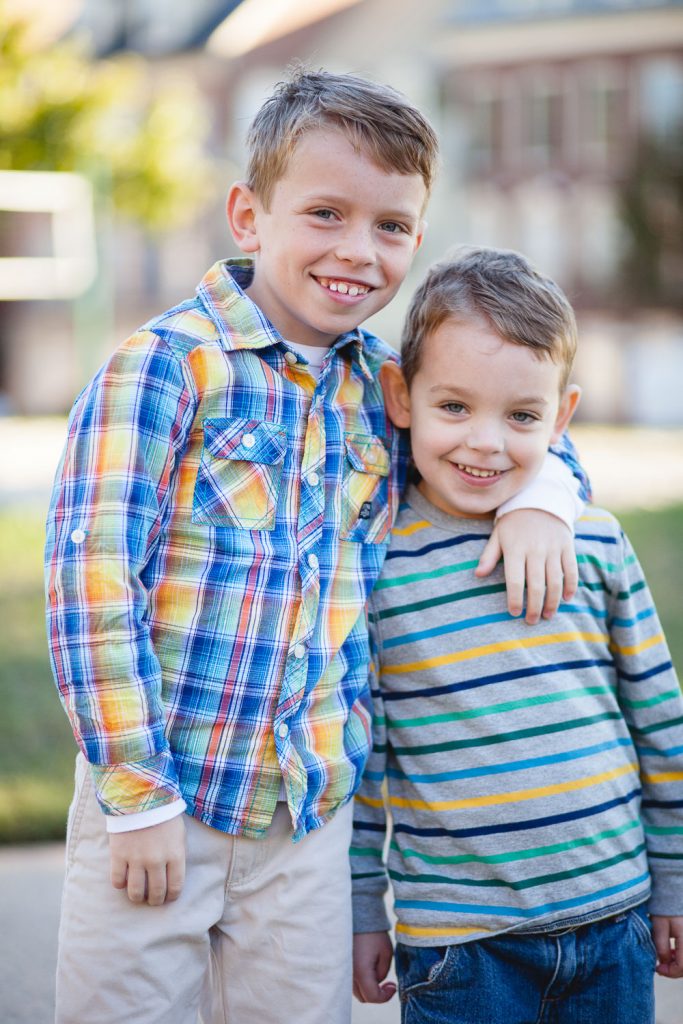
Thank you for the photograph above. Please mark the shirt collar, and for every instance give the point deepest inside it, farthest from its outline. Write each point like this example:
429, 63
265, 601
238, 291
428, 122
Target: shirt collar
241, 324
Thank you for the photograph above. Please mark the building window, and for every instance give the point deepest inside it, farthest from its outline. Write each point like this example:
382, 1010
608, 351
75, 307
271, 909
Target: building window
542, 124
603, 110
485, 151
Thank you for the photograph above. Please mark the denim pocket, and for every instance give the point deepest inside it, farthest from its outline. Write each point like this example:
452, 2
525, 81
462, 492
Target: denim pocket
420, 967
640, 921
240, 473
367, 512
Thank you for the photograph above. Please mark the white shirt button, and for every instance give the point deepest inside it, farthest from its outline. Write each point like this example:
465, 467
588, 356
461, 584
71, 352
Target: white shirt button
291, 358
282, 730
248, 440
299, 651
313, 479
78, 536
313, 561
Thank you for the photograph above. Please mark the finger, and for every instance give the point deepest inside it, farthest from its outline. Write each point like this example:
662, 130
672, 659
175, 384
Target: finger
514, 583
661, 939
570, 571
535, 588
553, 587
490, 556
175, 879
136, 883
156, 885
119, 872
387, 991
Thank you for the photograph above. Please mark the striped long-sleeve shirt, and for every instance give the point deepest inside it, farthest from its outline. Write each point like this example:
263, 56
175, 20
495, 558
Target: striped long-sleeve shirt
534, 774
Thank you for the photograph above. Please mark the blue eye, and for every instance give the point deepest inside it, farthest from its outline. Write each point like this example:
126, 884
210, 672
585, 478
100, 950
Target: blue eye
323, 214
524, 417
454, 407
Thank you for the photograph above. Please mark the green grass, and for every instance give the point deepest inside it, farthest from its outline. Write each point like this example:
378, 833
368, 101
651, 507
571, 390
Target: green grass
36, 746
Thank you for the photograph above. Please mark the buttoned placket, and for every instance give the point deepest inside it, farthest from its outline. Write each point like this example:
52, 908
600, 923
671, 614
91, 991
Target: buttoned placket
309, 535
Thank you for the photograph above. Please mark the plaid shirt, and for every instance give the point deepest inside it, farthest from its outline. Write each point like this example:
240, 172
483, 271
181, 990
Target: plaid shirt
217, 524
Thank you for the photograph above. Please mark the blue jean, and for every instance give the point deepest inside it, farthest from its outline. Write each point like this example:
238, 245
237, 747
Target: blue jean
599, 973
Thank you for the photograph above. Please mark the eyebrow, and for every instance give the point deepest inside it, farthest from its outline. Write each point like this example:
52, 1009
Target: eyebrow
459, 392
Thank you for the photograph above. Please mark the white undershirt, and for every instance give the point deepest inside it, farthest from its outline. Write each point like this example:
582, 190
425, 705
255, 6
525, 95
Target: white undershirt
314, 354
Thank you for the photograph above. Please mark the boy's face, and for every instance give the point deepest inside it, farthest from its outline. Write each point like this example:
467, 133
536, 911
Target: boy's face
336, 242
482, 412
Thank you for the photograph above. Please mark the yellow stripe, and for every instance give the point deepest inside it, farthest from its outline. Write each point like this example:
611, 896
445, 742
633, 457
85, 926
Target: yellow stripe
406, 531
407, 929
520, 794
595, 519
503, 645
663, 777
652, 642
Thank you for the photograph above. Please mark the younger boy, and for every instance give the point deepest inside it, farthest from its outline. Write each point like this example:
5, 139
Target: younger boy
221, 514
535, 775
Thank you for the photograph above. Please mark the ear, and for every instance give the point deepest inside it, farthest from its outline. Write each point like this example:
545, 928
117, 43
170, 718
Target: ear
396, 393
568, 404
420, 235
241, 208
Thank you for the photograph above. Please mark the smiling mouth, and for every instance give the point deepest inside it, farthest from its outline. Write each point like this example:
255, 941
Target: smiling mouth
485, 474
334, 284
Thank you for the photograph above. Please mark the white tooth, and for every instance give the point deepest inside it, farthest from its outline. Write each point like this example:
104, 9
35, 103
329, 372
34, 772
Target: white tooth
333, 286
343, 288
324, 281
353, 290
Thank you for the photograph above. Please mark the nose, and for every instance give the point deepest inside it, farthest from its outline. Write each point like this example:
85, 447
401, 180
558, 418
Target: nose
355, 245
485, 436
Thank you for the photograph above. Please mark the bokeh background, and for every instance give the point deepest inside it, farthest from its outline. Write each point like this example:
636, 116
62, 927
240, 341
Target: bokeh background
122, 125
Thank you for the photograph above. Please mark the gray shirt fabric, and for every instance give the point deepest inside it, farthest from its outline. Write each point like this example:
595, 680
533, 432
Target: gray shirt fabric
533, 774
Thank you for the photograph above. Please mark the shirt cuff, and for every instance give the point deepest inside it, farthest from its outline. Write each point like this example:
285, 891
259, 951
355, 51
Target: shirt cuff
145, 819
555, 490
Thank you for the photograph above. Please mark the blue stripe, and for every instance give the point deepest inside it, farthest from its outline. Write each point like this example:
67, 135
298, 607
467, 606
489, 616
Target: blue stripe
525, 912
499, 677
497, 769
517, 826
452, 542
638, 677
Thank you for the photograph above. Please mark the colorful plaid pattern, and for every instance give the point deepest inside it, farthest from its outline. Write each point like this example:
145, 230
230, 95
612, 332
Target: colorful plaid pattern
217, 523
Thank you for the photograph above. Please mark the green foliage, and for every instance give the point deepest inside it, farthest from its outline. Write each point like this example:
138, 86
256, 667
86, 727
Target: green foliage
61, 111
651, 206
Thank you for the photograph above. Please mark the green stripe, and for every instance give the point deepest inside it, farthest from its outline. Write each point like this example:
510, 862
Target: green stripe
495, 709
608, 566
504, 858
657, 726
362, 851
369, 874
661, 830
435, 602
598, 586
664, 856
485, 741
398, 581
659, 699
526, 883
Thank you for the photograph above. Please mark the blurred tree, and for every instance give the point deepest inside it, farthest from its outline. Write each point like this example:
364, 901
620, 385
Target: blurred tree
61, 111
651, 205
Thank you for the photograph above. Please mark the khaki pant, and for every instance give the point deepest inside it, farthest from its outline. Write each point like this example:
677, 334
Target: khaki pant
261, 931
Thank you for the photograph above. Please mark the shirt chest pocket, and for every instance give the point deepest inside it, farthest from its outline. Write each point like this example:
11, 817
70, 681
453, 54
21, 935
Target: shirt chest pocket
240, 473
367, 512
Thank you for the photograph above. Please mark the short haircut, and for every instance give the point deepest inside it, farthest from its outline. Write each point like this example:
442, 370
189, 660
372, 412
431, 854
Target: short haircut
522, 305
376, 120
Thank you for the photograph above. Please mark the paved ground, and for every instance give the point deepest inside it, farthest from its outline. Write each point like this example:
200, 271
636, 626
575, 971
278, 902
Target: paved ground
30, 884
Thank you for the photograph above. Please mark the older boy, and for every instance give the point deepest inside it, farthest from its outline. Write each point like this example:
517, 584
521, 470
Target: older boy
221, 514
522, 854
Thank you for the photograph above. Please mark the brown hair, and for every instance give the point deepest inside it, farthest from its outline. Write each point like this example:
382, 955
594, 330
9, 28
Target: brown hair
502, 286
375, 118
